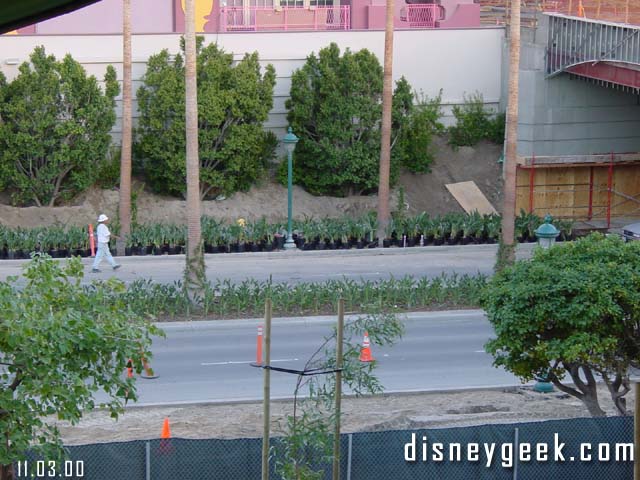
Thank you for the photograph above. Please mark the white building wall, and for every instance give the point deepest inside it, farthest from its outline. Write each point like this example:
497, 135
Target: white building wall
457, 61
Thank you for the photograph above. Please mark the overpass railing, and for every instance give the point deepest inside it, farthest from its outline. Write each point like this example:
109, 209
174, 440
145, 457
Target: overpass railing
573, 41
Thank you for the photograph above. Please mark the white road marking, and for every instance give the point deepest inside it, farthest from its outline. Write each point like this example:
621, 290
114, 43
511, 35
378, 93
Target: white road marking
479, 351
246, 362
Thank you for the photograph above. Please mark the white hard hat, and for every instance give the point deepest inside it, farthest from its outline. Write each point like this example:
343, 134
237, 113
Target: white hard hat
102, 218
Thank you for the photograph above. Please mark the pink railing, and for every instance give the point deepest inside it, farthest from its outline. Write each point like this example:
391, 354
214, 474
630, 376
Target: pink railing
254, 19
422, 16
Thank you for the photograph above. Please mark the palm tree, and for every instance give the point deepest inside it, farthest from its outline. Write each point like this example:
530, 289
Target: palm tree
125, 158
385, 142
194, 271
507, 255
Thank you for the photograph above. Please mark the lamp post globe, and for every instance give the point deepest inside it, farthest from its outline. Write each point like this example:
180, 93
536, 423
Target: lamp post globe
290, 140
547, 233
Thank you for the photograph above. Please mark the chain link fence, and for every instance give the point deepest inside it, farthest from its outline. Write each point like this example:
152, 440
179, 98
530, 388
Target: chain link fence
583, 448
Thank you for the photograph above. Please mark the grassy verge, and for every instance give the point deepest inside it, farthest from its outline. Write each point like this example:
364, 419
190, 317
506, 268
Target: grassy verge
225, 299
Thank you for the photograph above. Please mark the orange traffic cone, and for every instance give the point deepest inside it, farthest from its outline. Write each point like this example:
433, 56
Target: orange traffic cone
365, 352
166, 431
129, 369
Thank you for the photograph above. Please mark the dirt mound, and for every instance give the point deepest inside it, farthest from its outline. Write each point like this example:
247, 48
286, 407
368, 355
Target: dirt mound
425, 192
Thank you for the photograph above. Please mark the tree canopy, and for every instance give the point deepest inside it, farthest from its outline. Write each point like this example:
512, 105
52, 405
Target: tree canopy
572, 310
335, 108
234, 99
55, 124
60, 343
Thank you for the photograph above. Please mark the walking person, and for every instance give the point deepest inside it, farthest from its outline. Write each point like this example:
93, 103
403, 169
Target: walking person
104, 235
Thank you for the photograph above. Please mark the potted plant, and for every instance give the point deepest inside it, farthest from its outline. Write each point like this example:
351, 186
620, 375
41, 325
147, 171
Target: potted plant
389, 232
493, 227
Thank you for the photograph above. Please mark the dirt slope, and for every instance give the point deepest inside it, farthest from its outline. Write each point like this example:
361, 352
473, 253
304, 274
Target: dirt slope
422, 193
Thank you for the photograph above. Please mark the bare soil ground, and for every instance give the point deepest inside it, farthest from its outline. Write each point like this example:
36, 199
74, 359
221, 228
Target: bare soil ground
424, 192
385, 412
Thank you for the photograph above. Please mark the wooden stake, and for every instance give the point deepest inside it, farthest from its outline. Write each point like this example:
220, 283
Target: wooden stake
267, 390
336, 435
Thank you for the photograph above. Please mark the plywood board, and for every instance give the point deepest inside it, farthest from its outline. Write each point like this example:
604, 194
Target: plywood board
470, 197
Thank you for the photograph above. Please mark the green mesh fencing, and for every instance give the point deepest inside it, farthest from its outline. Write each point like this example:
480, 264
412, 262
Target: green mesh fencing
381, 455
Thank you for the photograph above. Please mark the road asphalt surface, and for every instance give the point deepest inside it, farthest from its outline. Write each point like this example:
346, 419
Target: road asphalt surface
209, 361
299, 266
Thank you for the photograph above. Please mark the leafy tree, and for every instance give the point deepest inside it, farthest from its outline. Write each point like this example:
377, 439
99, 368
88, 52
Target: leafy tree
309, 429
474, 123
421, 122
233, 102
55, 125
335, 109
60, 343
572, 310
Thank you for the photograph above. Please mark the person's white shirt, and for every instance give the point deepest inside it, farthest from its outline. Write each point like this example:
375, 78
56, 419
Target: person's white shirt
103, 233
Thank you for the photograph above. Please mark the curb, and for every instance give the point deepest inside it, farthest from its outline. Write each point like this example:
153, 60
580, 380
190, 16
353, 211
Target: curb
316, 319
285, 399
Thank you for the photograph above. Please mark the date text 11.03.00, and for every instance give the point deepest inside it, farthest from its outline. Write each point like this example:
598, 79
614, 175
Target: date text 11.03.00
50, 469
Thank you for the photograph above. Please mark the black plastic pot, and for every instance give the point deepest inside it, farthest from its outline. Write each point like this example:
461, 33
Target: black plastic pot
386, 243
127, 251
279, 243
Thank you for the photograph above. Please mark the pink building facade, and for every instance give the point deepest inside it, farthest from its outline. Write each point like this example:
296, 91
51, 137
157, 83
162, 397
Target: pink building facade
213, 16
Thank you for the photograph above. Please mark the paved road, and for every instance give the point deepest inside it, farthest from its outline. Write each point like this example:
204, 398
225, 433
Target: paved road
209, 361
306, 266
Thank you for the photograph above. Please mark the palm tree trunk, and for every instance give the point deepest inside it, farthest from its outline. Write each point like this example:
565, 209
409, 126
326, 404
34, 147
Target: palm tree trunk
194, 271
511, 155
385, 141
125, 159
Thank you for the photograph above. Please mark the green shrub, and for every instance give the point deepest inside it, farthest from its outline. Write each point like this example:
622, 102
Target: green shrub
496, 129
414, 143
109, 171
55, 128
335, 108
234, 100
475, 123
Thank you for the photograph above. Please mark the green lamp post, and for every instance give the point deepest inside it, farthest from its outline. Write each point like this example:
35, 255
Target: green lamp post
289, 141
547, 233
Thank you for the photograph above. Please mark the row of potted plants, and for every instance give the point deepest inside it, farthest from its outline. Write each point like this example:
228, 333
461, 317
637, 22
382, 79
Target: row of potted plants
261, 235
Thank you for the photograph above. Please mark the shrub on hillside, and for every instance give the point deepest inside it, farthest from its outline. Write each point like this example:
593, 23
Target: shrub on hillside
335, 108
55, 128
414, 143
234, 100
474, 123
